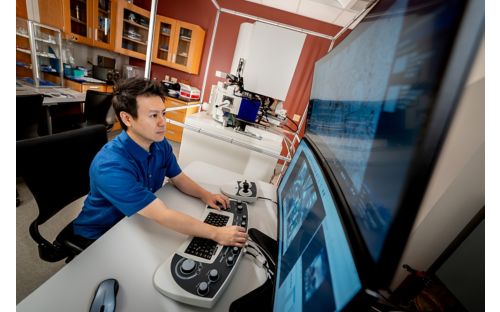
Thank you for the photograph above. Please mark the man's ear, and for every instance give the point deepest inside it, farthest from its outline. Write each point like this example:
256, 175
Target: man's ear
126, 118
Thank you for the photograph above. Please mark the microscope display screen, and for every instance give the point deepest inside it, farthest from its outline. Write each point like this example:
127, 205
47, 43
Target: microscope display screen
316, 270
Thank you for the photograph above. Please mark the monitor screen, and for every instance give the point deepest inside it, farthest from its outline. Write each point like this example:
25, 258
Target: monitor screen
316, 269
379, 111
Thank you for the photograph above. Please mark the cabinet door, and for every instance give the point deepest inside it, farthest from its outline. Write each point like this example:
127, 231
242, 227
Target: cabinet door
78, 20
104, 23
163, 40
188, 47
132, 30
52, 13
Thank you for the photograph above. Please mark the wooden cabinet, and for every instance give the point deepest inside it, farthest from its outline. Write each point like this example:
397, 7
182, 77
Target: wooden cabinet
52, 13
90, 22
178, 44
131, 30
174, 133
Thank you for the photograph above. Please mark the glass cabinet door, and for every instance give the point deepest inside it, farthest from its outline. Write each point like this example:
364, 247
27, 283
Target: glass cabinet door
103, 22
164, 41
79, 17
183, 46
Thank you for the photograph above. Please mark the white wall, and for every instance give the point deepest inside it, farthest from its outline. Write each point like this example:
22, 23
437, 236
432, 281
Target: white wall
456, 191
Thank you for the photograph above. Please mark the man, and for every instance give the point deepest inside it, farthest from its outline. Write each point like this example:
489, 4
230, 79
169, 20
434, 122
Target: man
127, 171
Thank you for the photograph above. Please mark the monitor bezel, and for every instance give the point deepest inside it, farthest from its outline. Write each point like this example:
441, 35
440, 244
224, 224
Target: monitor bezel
379, 274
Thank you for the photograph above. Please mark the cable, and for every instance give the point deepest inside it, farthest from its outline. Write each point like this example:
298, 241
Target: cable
261, 250
268, 199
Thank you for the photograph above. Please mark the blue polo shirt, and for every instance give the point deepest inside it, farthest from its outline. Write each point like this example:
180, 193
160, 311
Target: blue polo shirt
123, 179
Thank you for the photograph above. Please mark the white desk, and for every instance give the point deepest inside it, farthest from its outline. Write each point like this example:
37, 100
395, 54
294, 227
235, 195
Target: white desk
250, 164
133, 249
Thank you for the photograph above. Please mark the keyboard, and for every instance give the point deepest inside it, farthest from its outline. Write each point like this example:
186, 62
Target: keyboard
200, 269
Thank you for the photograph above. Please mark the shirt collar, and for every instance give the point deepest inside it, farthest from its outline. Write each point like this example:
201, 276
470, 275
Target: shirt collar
133, 148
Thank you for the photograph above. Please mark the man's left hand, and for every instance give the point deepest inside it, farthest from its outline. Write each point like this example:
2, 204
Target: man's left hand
216, 201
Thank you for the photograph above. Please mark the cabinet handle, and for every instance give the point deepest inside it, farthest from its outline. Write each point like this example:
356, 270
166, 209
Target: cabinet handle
95, 34
94, 87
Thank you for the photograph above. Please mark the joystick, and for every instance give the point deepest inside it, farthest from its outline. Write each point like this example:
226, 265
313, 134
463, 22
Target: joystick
241, 190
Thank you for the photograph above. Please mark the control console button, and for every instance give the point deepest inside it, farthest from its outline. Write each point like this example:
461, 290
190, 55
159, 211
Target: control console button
243, 223
202, 288
230, 260
235, 250
188, 266
244, 217
213, 275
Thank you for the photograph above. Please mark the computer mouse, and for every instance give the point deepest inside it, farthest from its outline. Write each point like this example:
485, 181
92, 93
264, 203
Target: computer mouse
105, 296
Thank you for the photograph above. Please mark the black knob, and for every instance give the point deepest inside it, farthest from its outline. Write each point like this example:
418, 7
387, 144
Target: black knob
239, 207
213, 275
243, 223
235, 250
188, 266
244, 217
245, 186
202, 288
239, 202
230, 260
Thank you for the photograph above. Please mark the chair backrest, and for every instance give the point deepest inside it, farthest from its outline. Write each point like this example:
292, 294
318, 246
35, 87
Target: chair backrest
56, 167
97, 106
28, 113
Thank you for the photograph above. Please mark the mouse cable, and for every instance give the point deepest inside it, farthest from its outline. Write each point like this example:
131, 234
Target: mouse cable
265, 198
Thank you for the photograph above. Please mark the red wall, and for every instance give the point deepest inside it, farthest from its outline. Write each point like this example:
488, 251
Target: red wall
203, 13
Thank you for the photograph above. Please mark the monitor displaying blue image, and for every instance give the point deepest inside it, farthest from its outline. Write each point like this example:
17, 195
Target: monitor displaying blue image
316, 270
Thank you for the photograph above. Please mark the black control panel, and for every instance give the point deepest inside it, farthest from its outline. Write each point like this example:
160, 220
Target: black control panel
205, 279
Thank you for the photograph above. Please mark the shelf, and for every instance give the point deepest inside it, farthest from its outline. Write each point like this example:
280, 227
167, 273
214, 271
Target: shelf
165, 34
134, 40
37, 39
183, 38
74, 19
22, 35
104, 11
135, 24
47, 55
164, 50
23, 50
183, 54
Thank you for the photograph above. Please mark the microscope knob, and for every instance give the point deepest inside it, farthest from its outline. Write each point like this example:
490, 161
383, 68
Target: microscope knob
213, 275
202, 288
188, 266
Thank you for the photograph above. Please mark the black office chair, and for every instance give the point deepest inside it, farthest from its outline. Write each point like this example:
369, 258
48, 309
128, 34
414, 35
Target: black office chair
97, 108
56, 170
28, 114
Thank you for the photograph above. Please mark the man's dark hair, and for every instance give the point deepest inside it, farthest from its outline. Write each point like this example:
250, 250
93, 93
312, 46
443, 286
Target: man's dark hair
126, 92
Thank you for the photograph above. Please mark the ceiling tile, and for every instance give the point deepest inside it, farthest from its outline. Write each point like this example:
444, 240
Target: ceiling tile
288, 5
319, 11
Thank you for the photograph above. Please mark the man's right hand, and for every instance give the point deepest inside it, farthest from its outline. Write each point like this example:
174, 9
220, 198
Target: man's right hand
231, 235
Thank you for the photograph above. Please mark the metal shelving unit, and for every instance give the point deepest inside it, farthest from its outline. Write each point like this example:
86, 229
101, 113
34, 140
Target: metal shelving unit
45, 49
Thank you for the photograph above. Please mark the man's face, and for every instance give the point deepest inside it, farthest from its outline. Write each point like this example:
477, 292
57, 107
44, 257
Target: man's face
149, 126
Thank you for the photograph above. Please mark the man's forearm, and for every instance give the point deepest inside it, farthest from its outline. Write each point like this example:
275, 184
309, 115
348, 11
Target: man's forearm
177, 221
188, 186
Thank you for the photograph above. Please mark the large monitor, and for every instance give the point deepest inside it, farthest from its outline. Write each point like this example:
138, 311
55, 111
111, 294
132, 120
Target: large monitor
316, 269
381, 103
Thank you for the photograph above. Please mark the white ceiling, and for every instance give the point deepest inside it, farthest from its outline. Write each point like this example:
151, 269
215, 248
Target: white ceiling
338, 12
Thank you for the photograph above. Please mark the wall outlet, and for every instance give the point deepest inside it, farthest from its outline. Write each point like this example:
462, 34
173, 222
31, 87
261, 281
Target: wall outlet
296, 118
